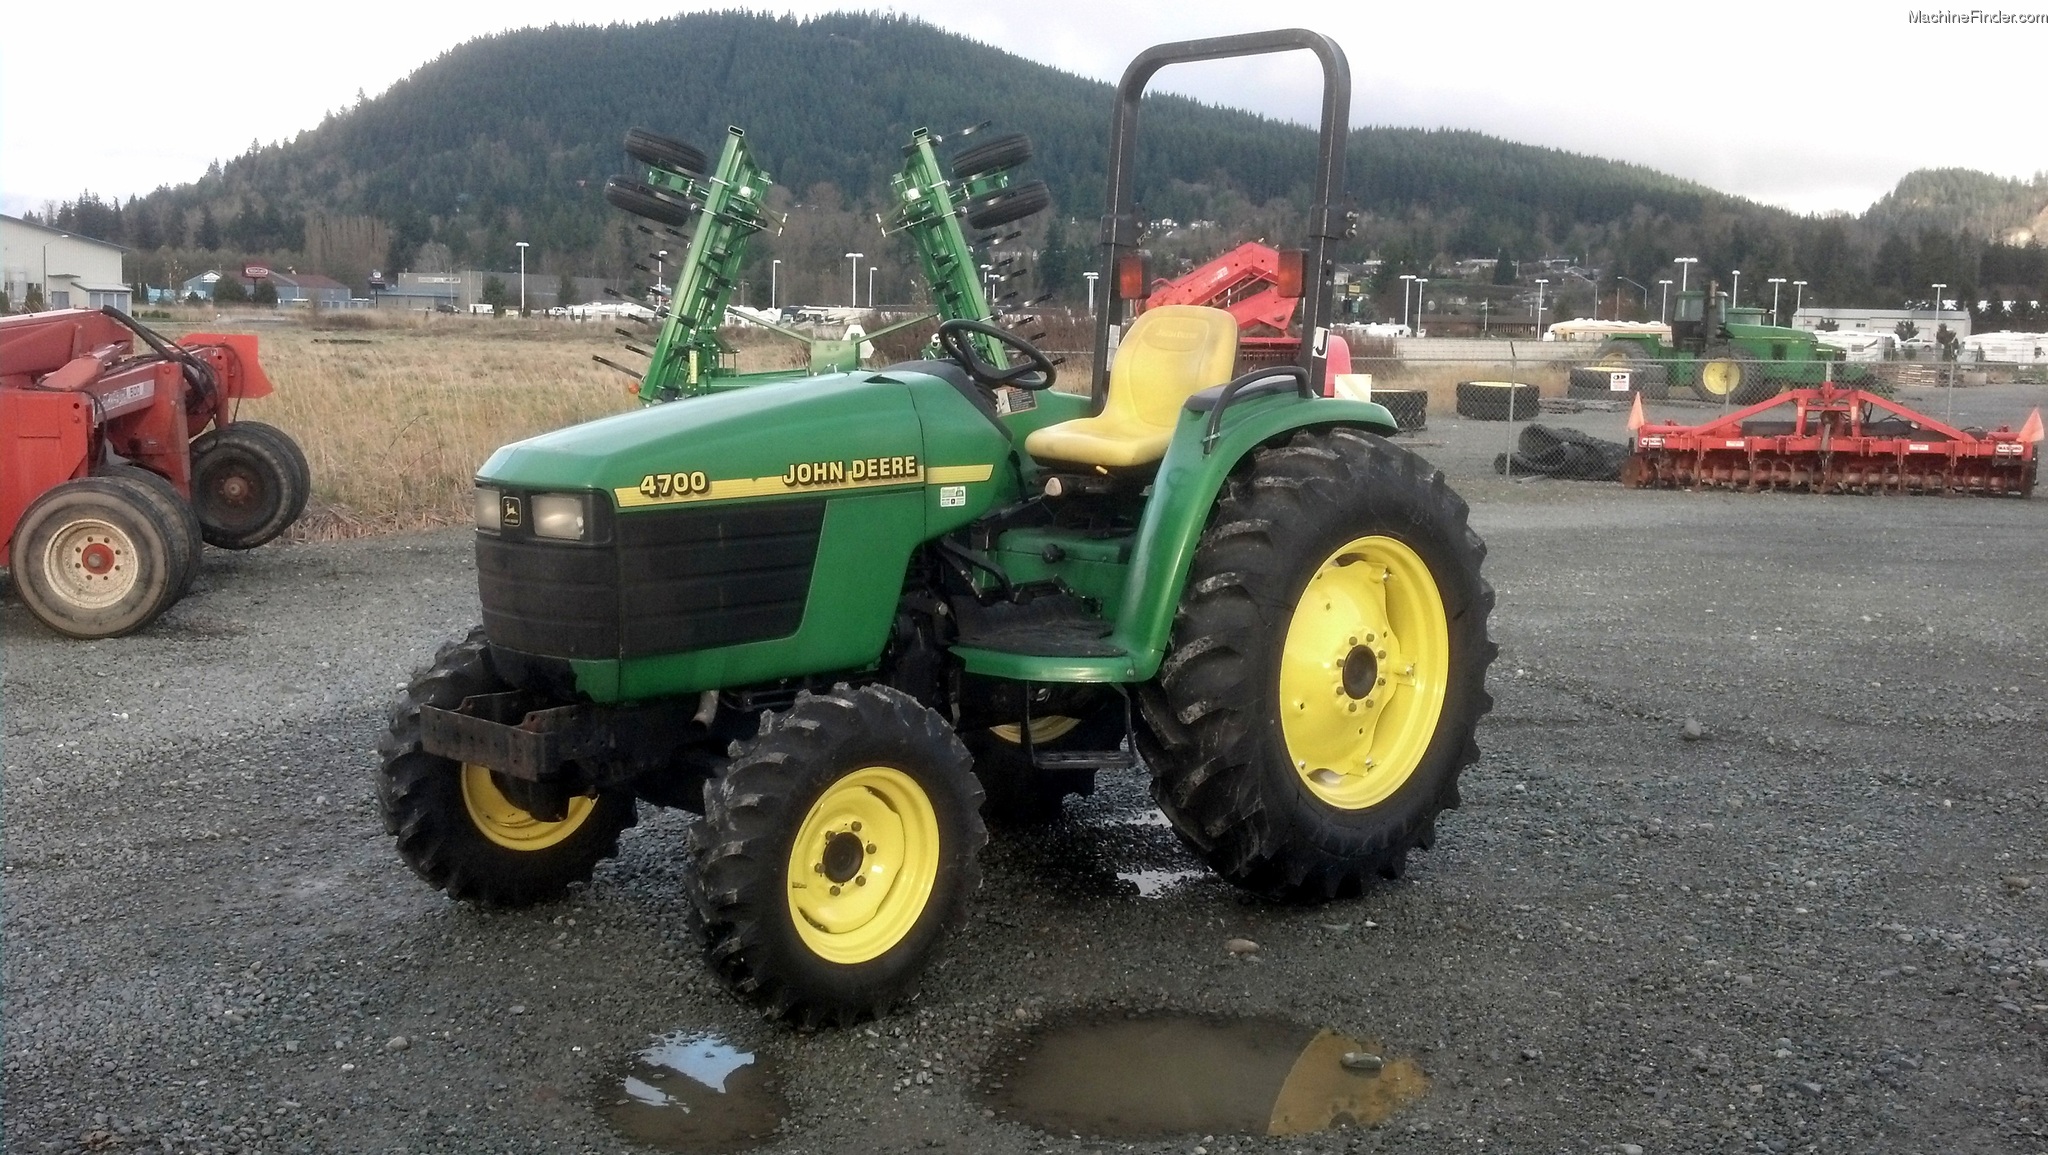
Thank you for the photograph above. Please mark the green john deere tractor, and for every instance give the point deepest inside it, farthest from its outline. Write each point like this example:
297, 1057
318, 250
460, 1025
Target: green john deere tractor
842, 616
1727, 354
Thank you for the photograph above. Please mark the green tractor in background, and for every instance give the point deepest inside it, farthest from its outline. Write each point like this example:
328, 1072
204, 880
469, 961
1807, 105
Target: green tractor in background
844, 615
1727, 354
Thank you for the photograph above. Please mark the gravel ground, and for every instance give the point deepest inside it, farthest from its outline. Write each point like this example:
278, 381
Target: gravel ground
1822, 925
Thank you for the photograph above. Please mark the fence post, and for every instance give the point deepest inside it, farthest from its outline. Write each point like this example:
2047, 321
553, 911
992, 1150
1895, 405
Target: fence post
1514, 375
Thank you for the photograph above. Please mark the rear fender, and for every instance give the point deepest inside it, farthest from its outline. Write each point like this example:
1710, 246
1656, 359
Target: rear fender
1184, 492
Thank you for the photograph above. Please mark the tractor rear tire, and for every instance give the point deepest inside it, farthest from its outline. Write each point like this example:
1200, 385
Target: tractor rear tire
458, 825
1006, 151
1727, 377
642, 200
782, 837
1327, 668
187, 544
1498, 400
1005, 205
96, 557
658, 151
250, 482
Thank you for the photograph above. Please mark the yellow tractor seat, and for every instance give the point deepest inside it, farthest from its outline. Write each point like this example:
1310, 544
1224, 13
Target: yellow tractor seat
1170, 354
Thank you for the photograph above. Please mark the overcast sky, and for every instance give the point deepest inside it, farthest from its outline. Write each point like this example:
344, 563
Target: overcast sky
1814, 105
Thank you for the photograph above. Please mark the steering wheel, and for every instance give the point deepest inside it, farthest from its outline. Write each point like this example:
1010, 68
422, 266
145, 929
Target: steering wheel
956, 338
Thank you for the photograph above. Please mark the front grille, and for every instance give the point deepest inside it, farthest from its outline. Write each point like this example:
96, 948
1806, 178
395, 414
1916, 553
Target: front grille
666, 582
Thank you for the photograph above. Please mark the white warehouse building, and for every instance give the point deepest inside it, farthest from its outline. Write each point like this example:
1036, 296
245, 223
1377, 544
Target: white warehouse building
74, 272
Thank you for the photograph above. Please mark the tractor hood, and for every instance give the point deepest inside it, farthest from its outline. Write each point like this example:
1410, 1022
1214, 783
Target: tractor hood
791, 439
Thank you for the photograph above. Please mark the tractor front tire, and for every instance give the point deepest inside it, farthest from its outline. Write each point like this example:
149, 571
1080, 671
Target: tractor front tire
1327, 668
96, 558
250, 482
458, 825
836, 852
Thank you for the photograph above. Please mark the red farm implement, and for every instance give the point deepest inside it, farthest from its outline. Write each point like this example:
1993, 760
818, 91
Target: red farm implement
1261, 288
115, 465
1835, 441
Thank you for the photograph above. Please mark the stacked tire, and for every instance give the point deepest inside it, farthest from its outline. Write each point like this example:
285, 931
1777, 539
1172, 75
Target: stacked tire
1409, 407
1592, 382
1497, 400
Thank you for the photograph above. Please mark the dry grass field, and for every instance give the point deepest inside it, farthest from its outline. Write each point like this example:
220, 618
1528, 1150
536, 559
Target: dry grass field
397, 411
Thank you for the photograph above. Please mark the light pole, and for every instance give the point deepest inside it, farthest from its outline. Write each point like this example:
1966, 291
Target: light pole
1617, 294
855, 258
1776, 288
522, 277
1419, 282
1664, 301
744, 303
660, 255
1735, 294
1405, 278
1484, 331
1589, 283
1938, 287
774, 271
1685, 265
1540, 282
871, 286
1091, 291
1798, 297
45, 287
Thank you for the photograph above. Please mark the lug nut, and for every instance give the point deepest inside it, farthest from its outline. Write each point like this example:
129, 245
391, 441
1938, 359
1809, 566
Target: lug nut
818, 869
855, 826
871, 848
835, 891
860, 880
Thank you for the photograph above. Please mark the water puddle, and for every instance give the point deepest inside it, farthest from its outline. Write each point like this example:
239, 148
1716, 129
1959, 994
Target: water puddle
691, 1091
1153, 883
1152, 1076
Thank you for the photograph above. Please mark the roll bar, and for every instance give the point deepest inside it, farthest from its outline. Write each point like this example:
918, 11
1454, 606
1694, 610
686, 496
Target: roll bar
1326, 218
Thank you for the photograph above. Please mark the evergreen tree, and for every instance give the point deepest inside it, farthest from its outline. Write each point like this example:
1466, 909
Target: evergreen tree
565, 291
1503, 270
229, 291
1056, 272
209, 231
494, 293
265, 294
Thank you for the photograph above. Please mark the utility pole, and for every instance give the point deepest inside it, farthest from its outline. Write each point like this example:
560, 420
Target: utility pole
1540, 282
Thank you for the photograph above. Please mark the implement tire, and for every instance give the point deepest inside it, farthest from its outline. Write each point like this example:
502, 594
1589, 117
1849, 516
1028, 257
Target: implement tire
1498, 400
187, 542
1327, 668
658, 151
1004, 205
643, 200
458, 825
836, 853
249, 483
96, 558
1006, 151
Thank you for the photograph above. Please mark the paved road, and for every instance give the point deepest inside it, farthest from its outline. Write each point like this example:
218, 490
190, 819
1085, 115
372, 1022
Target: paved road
1824, 926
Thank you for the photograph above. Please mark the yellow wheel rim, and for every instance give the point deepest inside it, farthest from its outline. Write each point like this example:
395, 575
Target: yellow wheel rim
863, 865
1050, 728
497, 818
1364, 672
1720, 377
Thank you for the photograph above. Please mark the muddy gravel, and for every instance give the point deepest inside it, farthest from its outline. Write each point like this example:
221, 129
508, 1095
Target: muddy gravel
1756, 859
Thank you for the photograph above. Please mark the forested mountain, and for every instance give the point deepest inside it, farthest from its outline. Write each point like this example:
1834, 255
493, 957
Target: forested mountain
510, 138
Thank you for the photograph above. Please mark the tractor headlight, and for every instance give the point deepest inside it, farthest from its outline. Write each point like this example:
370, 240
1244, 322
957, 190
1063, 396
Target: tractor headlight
561, 516
488, 518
